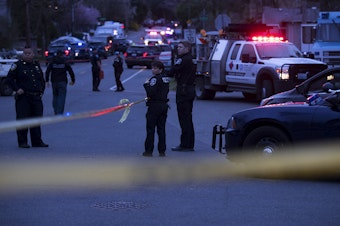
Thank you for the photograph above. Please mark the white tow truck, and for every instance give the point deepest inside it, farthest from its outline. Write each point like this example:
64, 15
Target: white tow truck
258, 66
5, 65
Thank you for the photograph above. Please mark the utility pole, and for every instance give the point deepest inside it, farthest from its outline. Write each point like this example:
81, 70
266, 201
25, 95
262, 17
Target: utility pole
28, 24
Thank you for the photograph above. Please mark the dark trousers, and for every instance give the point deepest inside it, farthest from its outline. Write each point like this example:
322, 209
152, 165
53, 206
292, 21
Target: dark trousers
156, 118
95, 79
184, 112
118, 82
59, 97
29, 107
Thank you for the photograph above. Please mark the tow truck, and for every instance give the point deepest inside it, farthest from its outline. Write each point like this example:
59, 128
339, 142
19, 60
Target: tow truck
258, 65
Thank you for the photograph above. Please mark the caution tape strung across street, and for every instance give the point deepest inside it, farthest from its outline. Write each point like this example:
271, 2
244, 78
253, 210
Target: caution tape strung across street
25, 123
23, 175
304, 162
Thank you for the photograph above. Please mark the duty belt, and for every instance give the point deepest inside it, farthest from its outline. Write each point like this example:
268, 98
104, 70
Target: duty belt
33, 93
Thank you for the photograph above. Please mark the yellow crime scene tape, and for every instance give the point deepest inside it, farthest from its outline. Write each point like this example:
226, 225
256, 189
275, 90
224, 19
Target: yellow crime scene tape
318, 162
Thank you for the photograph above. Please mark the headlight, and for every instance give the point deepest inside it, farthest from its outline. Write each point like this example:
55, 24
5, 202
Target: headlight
231, 123
283, 72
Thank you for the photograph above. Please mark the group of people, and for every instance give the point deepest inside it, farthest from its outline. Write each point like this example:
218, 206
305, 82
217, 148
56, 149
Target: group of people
96, 70
27, 80
157, 89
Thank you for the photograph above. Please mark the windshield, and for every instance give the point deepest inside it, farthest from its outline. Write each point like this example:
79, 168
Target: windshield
277, 50
328, 32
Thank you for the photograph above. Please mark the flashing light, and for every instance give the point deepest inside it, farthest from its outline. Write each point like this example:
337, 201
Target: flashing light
267, 39
153, 33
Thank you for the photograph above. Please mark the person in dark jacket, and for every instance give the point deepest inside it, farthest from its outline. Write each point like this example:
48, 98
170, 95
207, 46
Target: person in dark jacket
157, 89
184, 72
96, 67
58, 69
118, 68
27, 80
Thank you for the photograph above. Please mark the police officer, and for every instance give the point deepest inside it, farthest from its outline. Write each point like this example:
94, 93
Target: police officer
27, 80
58, 69
96, 67
118, 68
184, 72
157, 89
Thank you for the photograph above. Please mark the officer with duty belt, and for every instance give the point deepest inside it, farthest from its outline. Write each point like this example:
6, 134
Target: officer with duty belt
184, 72
157, 89
27, 80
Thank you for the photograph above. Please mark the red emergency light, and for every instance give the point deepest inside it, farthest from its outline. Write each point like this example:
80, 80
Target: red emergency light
267, 39
153, 33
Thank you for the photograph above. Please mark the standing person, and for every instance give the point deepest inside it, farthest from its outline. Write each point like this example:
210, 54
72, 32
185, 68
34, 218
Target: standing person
58, 69
157, 89
184, 72
27, 80
96, 67
118, 68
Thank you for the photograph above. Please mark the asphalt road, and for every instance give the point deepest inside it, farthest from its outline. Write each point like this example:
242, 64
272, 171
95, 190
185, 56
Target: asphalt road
236, 201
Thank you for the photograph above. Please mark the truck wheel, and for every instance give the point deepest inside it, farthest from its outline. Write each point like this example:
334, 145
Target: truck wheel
5, 88
266, 90
249, 96
201, 92
266, 140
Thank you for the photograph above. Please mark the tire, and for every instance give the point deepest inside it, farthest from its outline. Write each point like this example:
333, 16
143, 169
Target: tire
5, 88
267, 89
201, 92
249, 96
129, 66
266, 140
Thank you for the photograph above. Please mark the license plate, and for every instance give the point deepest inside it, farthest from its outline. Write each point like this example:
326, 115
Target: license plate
133, 54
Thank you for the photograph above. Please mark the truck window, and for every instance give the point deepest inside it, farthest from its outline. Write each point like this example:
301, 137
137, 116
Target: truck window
235, 51
248, 50
277, 50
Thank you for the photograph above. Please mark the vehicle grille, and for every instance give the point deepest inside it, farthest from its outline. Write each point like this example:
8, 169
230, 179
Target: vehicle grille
295, 71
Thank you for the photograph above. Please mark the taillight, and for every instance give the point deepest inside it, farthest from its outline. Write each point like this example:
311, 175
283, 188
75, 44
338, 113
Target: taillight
46, 53
125, 54
145, 54
67, 52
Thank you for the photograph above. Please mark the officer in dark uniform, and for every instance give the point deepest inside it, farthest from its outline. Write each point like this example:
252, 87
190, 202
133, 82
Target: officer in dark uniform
96, 67
118, 68
157, 89
184, 72
58, 69
27, 79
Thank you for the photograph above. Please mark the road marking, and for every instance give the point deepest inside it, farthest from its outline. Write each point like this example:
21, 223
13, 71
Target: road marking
125, 80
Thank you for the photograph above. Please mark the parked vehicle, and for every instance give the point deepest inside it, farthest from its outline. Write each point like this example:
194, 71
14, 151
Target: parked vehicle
52, 50
5, 66
141, 55
266, 130
301, 92
258, 67
100, 46
79, 48
120, 45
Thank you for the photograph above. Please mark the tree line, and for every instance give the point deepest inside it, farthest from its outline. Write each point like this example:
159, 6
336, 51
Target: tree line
45, 20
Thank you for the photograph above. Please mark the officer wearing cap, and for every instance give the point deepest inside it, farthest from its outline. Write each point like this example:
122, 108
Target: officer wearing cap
118, 68
27, 80
58, 70
96, 67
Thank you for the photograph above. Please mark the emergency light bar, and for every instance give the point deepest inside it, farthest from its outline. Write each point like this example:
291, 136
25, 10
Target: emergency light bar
267, 39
